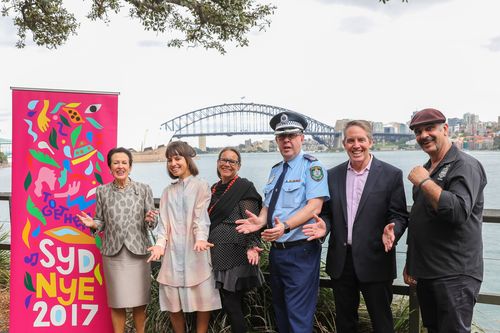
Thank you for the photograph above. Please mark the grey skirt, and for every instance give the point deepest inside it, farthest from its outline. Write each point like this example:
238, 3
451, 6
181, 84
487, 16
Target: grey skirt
239, 278
128, 279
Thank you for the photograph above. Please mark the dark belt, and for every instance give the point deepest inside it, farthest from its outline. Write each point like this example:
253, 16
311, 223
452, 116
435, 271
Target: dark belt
287, 245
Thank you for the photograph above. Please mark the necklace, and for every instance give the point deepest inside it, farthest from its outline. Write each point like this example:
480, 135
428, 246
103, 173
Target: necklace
121, 187
215, 188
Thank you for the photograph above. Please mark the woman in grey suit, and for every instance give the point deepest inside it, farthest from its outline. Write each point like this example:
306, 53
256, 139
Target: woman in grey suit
124, 211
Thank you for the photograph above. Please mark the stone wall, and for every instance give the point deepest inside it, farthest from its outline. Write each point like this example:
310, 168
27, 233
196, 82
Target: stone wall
155, 155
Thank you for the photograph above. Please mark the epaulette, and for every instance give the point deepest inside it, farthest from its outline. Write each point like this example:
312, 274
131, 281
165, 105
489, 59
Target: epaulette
274, 166
310, 158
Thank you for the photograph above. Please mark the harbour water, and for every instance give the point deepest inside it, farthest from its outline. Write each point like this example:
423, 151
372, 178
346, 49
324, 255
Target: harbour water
256, 167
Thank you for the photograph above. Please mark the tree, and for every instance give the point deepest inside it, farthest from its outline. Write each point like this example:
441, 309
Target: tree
3, 158
208, 23
496, 142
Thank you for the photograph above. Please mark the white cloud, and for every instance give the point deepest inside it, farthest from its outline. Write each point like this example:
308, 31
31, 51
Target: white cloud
7, 32
356, 25
494, 44
151, 43
391, 7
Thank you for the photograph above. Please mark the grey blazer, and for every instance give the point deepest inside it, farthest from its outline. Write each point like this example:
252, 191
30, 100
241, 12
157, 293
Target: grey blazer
120, 214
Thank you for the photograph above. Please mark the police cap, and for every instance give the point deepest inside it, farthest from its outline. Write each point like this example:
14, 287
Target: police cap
288, 122
427, 116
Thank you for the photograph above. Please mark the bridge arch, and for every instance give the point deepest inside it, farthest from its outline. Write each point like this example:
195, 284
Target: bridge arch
241, 119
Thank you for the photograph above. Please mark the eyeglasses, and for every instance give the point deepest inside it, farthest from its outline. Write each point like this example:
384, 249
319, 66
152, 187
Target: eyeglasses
290, 136
223, 161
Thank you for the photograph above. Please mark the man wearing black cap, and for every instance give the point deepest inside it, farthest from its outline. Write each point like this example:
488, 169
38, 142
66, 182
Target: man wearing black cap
294, 194
445, 248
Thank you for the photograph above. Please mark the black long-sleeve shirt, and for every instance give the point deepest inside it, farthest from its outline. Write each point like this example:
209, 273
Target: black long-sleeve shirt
448, 241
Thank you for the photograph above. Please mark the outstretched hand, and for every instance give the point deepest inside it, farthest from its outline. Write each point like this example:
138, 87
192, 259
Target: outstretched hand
202, 245
156, 252
272, 234
388, 237
250, 224
87, 220
253, 255
315, 230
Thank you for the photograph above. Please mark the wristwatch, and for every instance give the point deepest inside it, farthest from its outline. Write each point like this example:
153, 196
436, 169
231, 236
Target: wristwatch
287, 227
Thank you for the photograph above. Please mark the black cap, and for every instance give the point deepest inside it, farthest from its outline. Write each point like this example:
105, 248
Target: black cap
288, 122
427, 116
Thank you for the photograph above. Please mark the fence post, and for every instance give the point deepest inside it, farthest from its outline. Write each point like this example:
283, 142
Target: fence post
414, 321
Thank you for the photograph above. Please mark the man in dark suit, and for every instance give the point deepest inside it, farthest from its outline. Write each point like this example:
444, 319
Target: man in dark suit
366, 215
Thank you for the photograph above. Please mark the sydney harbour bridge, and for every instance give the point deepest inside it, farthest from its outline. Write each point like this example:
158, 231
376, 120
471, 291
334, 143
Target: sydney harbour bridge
252, 119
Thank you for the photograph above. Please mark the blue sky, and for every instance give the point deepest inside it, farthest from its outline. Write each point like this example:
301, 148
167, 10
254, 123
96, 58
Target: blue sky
330, 59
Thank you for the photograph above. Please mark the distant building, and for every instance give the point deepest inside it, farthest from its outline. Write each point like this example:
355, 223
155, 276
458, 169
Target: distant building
389, 129
454, 125
340, 124
265, 145
377, 127
471, 122
202, 143
248, 143
6, 147
397, 128
475, 142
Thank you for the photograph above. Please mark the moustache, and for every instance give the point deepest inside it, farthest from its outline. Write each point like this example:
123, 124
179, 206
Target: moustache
425, 140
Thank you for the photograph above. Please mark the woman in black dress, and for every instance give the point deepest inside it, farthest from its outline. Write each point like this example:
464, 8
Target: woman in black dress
235, 256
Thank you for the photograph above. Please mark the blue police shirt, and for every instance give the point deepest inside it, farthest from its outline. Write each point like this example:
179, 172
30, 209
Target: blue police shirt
305, 179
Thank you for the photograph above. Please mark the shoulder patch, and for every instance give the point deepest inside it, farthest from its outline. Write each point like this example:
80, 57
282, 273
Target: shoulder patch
310, 158
316, 173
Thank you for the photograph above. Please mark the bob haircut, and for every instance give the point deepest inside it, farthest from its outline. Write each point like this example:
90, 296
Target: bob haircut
119, 150
363, 124
234, 150
181, 148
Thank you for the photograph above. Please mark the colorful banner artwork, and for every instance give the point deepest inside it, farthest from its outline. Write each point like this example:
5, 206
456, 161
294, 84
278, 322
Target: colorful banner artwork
60, 142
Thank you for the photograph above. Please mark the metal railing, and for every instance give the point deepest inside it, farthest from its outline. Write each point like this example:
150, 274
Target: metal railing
489, 216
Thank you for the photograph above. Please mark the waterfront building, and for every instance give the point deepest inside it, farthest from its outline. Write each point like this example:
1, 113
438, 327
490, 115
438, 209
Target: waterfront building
6, 147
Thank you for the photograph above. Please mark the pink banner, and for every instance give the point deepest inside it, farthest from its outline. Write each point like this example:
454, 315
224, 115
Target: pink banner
60, 142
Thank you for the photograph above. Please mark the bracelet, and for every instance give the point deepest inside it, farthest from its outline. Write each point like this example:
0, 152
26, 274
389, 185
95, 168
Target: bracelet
423, 181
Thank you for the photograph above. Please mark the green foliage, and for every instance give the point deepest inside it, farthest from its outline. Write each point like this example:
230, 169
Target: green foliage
49, 22
496, 142
3, 158
259, 310
200, 22
4, 259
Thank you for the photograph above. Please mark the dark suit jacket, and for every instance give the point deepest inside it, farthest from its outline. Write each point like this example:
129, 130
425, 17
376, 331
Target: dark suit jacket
383, 201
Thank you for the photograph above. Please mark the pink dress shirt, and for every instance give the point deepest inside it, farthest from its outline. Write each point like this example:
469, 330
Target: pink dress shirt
355, 184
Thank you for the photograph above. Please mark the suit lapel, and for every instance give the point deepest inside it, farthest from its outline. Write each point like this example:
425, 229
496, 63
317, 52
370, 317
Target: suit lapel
374, 173
342, 189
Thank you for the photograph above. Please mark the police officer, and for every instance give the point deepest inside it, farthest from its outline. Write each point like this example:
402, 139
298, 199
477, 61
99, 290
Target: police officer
294, 194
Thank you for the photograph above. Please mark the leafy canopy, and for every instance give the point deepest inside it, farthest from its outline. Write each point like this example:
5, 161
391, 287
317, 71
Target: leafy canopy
207, 23
3, 158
